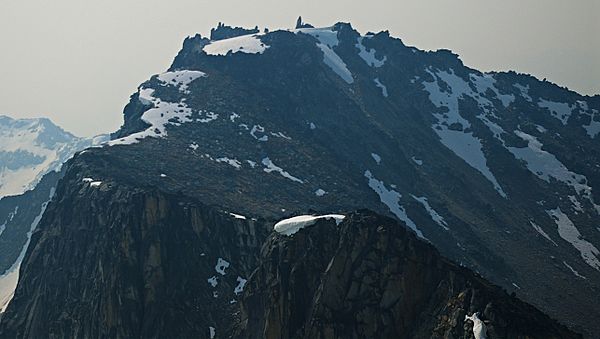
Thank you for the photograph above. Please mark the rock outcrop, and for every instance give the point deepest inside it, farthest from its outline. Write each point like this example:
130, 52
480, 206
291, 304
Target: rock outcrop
368, 277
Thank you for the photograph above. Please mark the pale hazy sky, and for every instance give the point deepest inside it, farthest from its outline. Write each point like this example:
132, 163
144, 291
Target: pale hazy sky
77, 61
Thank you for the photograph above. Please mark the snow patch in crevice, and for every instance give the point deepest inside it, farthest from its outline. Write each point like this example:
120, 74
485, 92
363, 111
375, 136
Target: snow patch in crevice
271, 167
328, 39
231, 162
541, 232
435, 216
376, 157
378, 83
331, 59
369, 56
573, 270
320, 192
8, 219
391, 199
292, 225
570, 233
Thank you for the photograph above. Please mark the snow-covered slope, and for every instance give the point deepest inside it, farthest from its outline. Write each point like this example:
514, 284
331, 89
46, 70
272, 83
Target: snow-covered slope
30, 148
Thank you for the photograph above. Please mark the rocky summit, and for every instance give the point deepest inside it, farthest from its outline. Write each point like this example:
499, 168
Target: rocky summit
168, 230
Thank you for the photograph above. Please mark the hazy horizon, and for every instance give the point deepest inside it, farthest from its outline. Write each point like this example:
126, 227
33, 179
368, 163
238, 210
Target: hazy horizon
82, 78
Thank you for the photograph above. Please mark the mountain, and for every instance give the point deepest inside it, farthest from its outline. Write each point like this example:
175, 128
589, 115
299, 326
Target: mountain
497, 170
32, 152
31, 148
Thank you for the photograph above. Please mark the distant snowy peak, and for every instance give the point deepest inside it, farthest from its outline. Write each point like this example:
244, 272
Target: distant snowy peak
30, 148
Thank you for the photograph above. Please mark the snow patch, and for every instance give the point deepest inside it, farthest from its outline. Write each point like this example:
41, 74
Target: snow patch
259, 129
222, 264
292, 225
376, 157
369, 56
180, 79
524, 91
271, 167
479, 328
233, 116
209, 116
231, 162
541, 232
545, 165
238, 216
160, 115
240, 286
568, 231
573, 271
95, 183
213, 281
559, 110
331, 59
432, 213
250, 44
320, 192
327, 38
463, 144
417, 161
378, 83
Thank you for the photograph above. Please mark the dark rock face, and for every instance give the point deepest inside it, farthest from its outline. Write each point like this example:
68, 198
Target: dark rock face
371, 278
130, 263
223, 31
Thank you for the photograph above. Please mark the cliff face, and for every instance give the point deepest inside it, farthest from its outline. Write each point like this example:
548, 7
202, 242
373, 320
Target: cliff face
370, 278
115, 261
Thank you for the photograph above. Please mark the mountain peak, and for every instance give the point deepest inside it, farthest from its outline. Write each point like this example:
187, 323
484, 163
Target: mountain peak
32, 147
